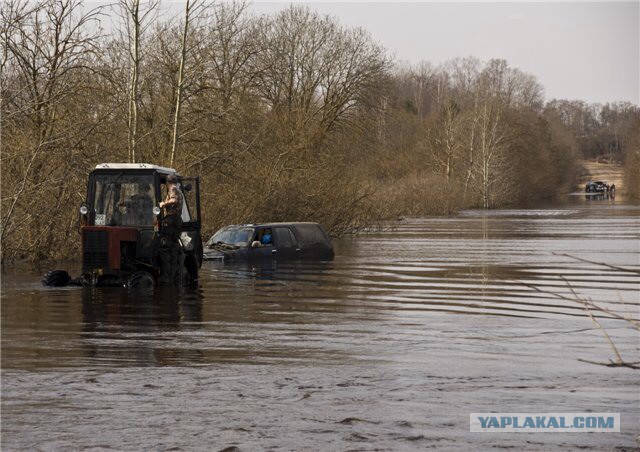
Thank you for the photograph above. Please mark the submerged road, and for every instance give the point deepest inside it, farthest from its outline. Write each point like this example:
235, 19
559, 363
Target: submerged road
388, 347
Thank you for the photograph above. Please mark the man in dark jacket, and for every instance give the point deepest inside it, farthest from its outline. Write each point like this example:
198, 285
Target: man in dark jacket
170, 233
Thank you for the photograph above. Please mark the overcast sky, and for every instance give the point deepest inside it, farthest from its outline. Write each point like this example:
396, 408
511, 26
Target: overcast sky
578, 50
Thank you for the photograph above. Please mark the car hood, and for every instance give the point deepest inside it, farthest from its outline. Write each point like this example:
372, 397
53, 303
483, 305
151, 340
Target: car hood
213, 254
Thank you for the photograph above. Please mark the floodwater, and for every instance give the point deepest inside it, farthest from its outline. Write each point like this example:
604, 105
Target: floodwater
389, 347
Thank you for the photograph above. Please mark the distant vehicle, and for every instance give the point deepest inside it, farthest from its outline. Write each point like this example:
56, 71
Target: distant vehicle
121, 226
269, 241
596, 187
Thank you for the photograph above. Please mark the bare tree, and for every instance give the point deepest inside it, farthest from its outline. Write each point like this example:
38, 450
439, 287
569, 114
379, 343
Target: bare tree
233, 46
446, 137
491, 166
316, 73
193, 9
424, 78
136, 20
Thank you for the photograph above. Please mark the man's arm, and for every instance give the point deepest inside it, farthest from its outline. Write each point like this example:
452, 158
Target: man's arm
174, 197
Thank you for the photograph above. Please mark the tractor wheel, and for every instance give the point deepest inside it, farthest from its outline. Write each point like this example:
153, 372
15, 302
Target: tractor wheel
56, 278
140, 280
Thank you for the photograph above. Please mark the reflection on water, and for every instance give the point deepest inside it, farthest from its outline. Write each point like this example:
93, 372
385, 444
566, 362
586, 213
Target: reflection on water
389, 346
601, 196
130, 329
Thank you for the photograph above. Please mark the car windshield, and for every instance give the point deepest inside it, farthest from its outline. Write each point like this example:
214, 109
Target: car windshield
123, 200
232, 236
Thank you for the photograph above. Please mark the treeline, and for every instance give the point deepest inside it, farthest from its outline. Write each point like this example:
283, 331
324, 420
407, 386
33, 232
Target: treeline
290, 116
482, 129
602, 131
607, 133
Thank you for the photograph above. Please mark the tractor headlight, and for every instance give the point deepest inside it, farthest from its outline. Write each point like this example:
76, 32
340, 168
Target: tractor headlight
156, 210
84, 210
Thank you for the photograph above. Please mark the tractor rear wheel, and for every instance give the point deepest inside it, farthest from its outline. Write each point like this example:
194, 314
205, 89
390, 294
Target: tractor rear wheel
56, 278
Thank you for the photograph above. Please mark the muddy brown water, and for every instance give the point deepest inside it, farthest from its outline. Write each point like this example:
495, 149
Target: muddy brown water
388, 347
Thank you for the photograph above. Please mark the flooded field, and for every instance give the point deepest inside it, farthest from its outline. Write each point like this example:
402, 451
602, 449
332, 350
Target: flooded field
388, 347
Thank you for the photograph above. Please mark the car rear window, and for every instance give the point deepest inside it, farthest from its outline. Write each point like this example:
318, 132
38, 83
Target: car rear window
312, 235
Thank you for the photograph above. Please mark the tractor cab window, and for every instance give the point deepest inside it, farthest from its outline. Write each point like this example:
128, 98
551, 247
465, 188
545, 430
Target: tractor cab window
123, 200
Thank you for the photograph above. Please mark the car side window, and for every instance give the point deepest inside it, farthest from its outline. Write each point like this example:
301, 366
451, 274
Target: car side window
264, 236
284, 238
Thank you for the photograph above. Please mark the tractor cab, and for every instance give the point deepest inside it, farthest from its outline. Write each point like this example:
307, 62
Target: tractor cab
121, 226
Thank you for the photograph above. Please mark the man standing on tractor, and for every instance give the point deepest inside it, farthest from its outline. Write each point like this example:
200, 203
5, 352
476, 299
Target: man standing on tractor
170, 234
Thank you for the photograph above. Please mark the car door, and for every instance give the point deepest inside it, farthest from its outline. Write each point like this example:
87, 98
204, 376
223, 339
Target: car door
286, 245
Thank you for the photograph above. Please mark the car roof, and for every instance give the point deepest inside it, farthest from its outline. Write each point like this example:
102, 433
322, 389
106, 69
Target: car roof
269, 225
148, 166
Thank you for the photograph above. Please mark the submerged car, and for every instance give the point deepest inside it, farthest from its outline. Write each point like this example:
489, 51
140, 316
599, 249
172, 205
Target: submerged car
269, 241
596, 187
121, 228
